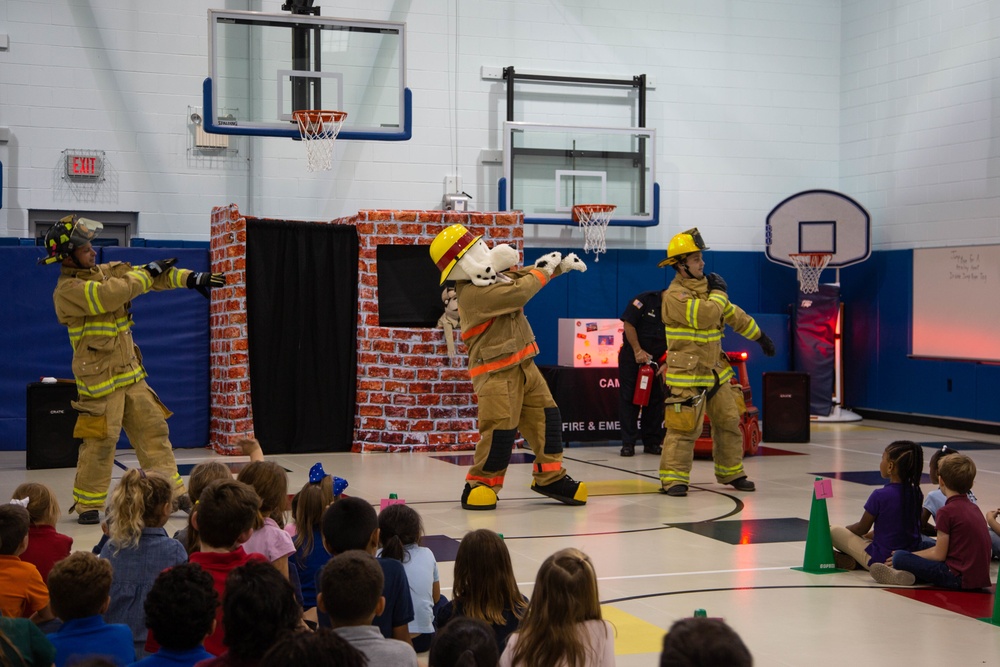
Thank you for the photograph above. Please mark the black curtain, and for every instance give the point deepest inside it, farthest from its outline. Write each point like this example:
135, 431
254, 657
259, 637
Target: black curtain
302, 319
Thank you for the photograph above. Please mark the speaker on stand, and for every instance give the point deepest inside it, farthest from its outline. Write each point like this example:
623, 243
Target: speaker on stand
51, 419
786, 407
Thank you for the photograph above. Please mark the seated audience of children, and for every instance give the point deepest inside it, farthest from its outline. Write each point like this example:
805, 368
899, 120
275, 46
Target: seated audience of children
23, 594
80, 587
180, 614
351, 594
46, 546
351, 523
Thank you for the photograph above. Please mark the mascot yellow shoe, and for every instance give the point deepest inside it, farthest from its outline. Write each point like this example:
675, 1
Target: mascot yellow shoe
479, 498
565, 489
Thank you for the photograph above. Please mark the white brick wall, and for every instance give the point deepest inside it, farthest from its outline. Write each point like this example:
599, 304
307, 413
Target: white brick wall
919, 126
753, 101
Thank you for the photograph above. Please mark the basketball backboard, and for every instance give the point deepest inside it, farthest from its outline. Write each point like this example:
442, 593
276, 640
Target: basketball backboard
550, 168
262, 67
819, 221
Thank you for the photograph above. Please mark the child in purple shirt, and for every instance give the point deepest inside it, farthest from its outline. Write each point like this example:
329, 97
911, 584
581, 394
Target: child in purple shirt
891, 519
960, 559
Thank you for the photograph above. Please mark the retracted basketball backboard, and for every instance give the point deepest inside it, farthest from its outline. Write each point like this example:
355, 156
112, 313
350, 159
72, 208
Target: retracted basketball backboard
264, 67
819, 221
549, 169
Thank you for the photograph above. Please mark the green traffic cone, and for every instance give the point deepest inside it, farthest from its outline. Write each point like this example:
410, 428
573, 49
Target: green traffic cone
819, 545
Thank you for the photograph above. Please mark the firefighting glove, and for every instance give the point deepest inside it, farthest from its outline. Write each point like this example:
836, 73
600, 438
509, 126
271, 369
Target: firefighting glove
159, 266
205, 281
715, 282
766, 344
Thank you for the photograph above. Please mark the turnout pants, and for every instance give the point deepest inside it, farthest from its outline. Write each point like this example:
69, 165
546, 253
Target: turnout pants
138, 410
649, 431
513, 399
685, 423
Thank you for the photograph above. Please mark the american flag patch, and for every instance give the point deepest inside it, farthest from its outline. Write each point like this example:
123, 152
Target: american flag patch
637, 303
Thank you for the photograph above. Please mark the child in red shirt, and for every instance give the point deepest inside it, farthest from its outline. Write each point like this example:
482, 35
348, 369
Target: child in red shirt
46, 547
224, 517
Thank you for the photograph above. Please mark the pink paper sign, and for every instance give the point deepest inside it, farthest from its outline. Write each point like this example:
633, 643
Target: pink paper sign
391, 501
824, 488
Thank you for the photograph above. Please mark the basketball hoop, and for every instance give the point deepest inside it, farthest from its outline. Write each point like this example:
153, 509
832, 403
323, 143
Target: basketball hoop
810, 265
319, 129
594, 219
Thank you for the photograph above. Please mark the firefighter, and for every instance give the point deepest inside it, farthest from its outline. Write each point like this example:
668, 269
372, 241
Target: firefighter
644, 343
512, 393
92, 300
695, 310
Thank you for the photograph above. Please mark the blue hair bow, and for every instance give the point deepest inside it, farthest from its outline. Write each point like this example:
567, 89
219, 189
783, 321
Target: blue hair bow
316, 475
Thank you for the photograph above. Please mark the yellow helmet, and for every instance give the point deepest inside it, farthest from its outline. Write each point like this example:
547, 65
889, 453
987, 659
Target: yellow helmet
449, 246
685, 243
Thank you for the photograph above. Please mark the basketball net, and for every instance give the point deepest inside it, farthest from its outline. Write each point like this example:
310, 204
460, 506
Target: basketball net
810, 265
318, 130
594, 219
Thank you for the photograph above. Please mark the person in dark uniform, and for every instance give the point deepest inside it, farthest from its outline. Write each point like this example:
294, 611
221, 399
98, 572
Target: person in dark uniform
645, 341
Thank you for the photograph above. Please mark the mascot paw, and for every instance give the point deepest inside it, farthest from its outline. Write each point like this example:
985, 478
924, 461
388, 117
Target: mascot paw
572, 263
483, 277
547, 263
503, 257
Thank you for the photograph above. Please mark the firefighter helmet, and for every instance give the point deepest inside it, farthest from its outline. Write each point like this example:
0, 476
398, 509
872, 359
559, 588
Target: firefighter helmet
67, 235
683, 244
449, 246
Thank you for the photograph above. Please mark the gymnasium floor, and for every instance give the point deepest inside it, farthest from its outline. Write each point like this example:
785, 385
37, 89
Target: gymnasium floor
660, 558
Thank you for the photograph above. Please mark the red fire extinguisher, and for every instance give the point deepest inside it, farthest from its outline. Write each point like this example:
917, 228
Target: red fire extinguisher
644, 383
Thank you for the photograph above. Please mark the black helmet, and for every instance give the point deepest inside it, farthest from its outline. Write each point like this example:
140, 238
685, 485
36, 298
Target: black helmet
67, 235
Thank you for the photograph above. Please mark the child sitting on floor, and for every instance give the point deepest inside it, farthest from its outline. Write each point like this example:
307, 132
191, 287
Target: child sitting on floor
892, 513
138, 547
180, 612
80, 587
307, 533
464, 642
258, 609
351, 523
351, 594
269, 538
563, 624
703, 642
400, 531
484, 586
960, 559
23, 594
323, 648
45, 544
934, 500
224, 518
201, 475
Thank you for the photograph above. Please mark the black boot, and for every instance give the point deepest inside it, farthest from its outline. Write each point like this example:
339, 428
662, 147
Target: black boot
628, 449
566, 490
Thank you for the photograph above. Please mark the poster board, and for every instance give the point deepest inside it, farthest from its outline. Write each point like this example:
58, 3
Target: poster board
956, 303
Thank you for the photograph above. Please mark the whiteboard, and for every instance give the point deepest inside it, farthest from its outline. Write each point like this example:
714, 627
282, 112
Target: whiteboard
956, 302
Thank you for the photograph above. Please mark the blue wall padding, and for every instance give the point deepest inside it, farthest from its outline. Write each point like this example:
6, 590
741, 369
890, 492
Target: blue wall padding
171, 330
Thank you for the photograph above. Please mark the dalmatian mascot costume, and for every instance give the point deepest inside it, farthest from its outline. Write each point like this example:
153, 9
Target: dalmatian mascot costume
512, 393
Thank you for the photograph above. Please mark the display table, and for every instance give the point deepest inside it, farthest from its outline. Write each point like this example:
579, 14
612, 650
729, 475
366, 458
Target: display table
587, 400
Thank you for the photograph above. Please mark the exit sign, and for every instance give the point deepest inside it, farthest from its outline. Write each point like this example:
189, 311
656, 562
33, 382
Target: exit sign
87, 165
